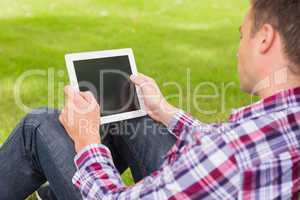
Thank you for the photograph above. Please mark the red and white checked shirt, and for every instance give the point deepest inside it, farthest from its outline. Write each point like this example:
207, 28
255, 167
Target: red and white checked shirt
256, 155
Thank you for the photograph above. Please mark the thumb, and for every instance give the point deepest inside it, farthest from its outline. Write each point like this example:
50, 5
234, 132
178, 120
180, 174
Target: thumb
88, 96
139, 79
69, 92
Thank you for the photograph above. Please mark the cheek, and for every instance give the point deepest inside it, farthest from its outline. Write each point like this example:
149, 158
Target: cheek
244, 53
242, 62
240, 56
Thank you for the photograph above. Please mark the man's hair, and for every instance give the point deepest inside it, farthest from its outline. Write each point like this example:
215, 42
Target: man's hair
284, 16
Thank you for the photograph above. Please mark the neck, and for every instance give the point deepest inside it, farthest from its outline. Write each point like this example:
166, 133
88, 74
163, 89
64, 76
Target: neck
273, 90
279, 81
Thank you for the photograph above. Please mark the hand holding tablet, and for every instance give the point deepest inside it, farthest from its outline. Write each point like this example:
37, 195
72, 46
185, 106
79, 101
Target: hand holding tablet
82, 124
155, 103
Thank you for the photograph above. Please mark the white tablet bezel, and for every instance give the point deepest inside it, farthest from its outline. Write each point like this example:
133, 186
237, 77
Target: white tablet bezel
70, 58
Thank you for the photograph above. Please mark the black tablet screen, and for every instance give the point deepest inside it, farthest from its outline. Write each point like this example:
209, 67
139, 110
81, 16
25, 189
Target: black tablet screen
108, 80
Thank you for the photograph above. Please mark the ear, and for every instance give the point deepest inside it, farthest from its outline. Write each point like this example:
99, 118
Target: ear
267, 37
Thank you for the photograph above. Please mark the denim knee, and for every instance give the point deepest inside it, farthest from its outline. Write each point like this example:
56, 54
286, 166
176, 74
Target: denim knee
39, 115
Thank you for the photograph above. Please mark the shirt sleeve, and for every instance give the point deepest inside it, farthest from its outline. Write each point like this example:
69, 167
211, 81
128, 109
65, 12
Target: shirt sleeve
206, 171
188, 130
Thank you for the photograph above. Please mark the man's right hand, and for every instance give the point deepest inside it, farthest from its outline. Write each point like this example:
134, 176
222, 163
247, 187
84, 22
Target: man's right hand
156, 105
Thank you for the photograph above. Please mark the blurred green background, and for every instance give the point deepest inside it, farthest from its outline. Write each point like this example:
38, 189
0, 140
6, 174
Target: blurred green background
170, 39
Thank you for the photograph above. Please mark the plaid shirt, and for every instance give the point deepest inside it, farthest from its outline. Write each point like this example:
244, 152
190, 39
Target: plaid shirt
255, 155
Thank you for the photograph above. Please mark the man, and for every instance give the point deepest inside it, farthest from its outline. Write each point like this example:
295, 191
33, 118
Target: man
255, 155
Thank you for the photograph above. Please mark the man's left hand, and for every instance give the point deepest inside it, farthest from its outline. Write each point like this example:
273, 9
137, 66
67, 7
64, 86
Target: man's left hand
81, 118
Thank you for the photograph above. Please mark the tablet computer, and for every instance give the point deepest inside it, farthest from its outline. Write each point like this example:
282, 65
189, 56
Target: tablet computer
106, 74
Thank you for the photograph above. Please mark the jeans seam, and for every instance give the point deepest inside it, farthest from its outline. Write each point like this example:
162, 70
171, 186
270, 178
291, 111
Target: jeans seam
34, 125
46, 147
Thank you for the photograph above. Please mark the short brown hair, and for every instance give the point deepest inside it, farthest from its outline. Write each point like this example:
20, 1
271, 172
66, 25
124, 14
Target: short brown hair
284, 16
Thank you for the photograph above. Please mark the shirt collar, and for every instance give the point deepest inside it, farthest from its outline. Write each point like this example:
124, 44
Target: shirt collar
279, 101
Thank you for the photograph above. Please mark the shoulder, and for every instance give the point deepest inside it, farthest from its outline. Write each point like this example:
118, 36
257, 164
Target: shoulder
262, 138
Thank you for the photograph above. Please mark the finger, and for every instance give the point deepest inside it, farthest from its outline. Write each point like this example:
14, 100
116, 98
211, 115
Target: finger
60, 118
140, 79
69, 92
88, 96
74, 98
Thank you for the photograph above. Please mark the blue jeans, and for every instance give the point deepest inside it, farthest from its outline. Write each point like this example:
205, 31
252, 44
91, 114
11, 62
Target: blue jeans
39, 150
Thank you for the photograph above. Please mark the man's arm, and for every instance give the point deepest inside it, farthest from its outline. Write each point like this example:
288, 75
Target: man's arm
183, 126
189, 130
206, 171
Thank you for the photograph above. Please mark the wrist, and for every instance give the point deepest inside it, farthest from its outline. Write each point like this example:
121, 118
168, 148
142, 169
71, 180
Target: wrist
167, 114
81, 146
89, 140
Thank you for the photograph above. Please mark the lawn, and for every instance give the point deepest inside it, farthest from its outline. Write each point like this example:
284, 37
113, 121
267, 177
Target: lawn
170, 38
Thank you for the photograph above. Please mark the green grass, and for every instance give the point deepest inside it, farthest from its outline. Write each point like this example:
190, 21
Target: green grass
168, 37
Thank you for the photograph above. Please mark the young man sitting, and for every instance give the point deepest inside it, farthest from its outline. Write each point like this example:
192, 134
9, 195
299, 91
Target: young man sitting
255, 155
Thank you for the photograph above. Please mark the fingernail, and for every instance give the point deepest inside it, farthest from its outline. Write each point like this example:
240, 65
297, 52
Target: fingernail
132, 77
